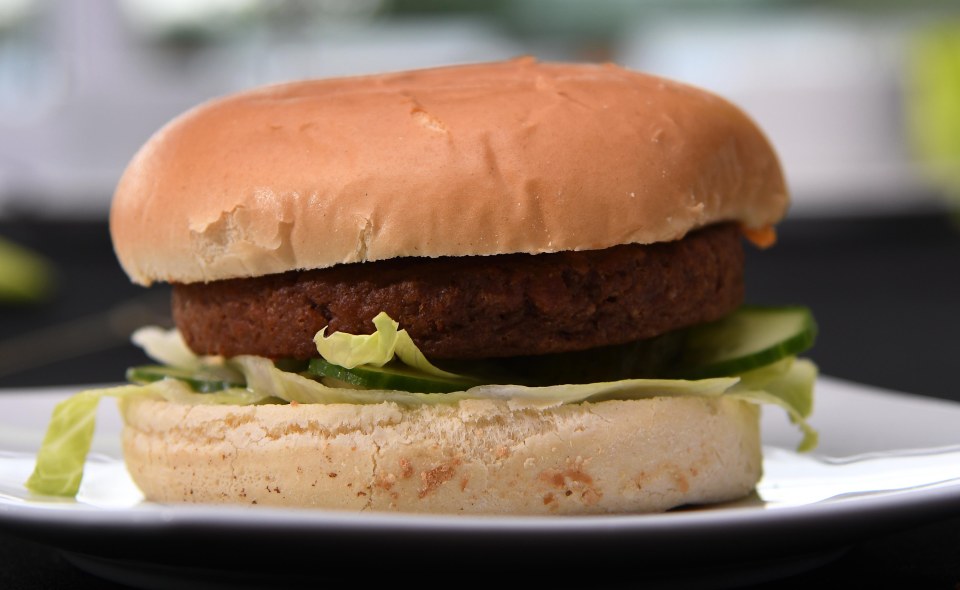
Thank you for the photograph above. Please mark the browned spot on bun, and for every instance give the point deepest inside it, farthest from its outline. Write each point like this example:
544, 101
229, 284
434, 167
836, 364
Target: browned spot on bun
433, 478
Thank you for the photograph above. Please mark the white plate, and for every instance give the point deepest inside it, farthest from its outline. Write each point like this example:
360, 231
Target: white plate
886, 461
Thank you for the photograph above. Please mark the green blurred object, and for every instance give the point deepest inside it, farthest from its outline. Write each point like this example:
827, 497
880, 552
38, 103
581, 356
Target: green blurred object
934, 104
25, 277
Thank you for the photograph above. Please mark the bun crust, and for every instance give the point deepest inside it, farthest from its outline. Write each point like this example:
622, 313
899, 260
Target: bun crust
475, 457
516, 156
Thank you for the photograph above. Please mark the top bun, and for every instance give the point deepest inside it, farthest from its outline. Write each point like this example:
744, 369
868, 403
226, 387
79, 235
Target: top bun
516, 156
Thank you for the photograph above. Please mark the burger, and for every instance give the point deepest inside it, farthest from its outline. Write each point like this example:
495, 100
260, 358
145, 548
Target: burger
501, 288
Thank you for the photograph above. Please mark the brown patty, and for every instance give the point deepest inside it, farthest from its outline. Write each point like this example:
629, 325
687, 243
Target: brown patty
476, 307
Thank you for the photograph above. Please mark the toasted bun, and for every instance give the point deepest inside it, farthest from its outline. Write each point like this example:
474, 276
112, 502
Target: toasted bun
480, 456
517, 156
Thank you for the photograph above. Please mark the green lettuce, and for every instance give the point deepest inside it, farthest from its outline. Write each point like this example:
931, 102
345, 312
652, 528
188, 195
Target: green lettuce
377, 349
67, 441
263, 375
788, 384
63, 452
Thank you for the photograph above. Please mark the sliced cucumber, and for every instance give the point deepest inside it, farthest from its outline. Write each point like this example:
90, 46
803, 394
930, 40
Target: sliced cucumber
391, 376
748, 338
200, 381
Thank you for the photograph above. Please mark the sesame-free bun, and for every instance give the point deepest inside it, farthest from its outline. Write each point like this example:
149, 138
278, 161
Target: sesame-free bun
516, 156
472, 457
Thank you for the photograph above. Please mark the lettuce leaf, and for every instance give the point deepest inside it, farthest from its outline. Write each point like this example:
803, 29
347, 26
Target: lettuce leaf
791, 389
377, 349
67, 442
263, 376
167, 347
60, 460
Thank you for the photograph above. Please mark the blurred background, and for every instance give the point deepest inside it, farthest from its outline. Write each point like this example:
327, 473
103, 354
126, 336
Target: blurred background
862, 99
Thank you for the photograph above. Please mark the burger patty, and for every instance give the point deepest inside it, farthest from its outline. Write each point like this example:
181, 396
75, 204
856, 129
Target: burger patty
475, 307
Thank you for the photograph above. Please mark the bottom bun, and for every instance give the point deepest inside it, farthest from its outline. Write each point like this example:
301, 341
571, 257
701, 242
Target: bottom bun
472, 457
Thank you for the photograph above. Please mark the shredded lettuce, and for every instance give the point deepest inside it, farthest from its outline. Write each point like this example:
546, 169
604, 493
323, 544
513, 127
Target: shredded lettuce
67, 441
263, 376
787, 384
167, 347
377, 349
69, 436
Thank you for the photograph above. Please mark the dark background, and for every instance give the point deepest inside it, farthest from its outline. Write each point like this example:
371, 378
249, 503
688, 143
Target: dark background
885, 291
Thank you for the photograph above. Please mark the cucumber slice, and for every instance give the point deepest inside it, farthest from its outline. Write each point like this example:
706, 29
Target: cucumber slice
199, 381
392, 376
748, 338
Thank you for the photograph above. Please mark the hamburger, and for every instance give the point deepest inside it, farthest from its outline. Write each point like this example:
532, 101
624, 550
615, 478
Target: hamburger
503, 288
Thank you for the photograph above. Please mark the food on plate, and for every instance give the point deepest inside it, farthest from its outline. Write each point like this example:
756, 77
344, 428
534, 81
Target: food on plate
503, 288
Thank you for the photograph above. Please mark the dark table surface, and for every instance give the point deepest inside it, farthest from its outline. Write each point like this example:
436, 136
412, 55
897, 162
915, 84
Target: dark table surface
885, 291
